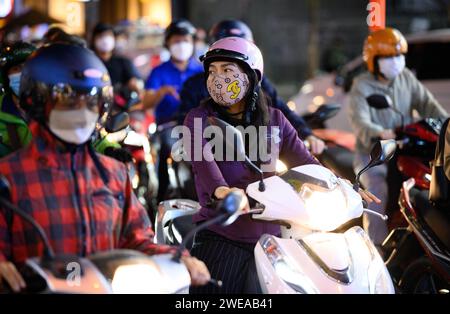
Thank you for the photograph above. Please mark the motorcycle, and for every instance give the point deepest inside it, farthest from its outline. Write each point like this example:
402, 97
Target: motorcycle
310, 203
420, 260
116, 271
416, 143
420, 263
121, 128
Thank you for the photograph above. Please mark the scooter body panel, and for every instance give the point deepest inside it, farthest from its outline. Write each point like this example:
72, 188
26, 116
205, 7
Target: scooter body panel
316, 211
321, 263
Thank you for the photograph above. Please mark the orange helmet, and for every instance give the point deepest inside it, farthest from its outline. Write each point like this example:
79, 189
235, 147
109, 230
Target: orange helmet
385, 43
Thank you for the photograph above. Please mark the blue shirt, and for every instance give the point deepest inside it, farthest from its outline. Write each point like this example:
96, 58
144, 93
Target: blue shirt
168, 74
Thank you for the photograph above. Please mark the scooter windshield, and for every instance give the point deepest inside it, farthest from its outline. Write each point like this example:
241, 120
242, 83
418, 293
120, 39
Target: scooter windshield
325, 202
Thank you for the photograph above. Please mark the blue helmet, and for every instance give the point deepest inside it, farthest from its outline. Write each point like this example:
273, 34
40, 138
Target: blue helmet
230, 28
64, 74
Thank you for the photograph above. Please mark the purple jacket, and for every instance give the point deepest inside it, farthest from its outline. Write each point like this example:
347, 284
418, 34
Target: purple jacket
211, 174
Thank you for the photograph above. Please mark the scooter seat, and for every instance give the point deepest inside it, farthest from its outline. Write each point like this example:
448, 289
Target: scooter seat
438, 219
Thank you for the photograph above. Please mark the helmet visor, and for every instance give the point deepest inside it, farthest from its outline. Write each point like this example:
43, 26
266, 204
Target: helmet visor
96, 99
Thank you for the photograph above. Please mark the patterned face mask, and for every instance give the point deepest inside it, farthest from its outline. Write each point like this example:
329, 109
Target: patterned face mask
229, 88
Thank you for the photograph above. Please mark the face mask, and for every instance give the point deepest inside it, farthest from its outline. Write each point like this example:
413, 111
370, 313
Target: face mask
391, 67
121, 45
227, 89
105, 43
14, 82
73, 126
182, 51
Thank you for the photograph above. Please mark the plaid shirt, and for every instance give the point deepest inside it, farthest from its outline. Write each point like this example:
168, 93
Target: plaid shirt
79, 213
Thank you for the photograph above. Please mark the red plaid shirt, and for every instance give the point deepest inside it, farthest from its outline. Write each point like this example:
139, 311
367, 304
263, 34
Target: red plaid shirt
43, 185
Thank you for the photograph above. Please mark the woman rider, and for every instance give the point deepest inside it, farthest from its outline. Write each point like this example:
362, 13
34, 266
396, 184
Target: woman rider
234, 68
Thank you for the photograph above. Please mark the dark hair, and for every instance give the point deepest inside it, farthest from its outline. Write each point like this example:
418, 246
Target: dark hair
179, 27
98, 29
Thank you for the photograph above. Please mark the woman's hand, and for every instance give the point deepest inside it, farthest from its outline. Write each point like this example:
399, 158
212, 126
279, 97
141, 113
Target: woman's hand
9, 273
222, 191
197, 269
368, 197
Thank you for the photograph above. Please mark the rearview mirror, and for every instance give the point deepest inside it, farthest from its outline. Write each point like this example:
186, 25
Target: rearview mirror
117, 122
322, 114
381, 152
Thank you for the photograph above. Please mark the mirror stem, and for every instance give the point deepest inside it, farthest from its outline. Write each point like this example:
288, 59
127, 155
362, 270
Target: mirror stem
262, 186
177, 255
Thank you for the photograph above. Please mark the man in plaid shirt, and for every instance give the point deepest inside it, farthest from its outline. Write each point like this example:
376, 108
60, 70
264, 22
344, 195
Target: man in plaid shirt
83, 201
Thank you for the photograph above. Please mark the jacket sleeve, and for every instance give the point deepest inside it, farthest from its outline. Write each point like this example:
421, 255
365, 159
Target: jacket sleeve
137, 233
191, 94
5, 241
360, 118
296, 120
422, 99
293, 151
200, 154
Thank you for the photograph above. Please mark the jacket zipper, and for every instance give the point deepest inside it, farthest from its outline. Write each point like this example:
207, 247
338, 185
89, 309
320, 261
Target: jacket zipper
80, 209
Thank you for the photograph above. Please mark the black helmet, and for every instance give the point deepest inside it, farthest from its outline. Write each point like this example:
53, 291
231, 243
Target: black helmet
179, 27
65, 74
11, 56
230, 28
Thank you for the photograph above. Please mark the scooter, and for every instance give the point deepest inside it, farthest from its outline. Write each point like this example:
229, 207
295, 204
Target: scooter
116, 271
420, 263
119, 128
310, 202
416, 143
420, 260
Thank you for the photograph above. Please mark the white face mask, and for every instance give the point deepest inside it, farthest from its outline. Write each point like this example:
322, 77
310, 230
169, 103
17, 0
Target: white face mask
73, 126
182, 51
391, 67
105, 43
121, 45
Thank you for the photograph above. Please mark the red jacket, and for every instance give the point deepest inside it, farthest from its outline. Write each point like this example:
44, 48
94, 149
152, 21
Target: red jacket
65, 194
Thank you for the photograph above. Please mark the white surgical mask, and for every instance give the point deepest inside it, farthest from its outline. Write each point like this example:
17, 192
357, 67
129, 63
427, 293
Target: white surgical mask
182, 51
14, 82
73, 126
121, 45
105, 43
391, 67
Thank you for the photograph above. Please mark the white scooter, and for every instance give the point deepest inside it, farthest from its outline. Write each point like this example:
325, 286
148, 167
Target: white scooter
310, 202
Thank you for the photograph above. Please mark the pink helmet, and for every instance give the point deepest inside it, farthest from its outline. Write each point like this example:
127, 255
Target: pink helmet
235, 49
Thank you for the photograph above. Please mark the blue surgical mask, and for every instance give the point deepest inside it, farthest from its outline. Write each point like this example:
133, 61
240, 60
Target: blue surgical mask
14, 82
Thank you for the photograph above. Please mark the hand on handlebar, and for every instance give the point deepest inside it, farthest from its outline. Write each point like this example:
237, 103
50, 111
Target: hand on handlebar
387, 134
10, 274
197, 269
222, 191
367, 196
